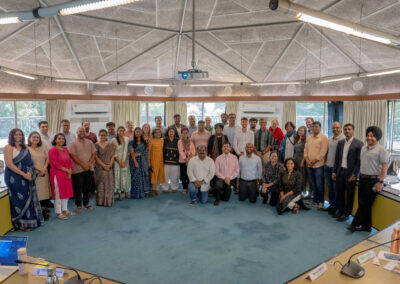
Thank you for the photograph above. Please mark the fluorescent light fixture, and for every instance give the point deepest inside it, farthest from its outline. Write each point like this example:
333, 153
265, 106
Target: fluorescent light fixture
278, 83
210, 85
145, 85
380, 73
335, 80
9, 20
19, 74
341, 28
82, 82
87, 6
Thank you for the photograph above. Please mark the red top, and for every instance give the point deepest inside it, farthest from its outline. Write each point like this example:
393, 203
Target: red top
58, 159
92, 137
277, 134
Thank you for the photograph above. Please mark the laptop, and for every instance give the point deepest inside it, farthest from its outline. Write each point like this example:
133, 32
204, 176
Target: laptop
9, 246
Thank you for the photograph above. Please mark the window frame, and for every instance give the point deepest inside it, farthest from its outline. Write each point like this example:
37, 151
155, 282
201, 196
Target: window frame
324, 122
202, 107
391, 112
147, 112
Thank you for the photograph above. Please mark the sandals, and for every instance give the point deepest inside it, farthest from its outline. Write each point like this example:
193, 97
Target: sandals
174, 191
184, 191
79, 209
25, 229
61, 216
127, 195
69, 213
295, 209
89, 207
119, 196
165, 191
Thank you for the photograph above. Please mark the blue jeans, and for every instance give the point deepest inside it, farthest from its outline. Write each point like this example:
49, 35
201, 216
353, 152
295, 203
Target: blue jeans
316, 180
195, 192
331, 186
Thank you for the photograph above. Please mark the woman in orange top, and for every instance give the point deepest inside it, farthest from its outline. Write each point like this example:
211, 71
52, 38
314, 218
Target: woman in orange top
156, 161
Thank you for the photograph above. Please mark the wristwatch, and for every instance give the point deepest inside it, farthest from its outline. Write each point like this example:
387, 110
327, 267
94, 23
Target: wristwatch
381, 181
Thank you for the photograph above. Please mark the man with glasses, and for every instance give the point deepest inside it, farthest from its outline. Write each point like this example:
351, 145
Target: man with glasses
65, 126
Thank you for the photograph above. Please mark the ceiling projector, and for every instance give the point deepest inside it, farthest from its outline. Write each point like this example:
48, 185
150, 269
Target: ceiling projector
192, 74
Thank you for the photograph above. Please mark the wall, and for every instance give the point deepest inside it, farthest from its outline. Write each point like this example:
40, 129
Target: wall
270, 116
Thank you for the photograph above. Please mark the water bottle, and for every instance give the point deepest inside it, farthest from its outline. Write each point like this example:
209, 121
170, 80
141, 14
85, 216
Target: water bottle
51, 275
22, 255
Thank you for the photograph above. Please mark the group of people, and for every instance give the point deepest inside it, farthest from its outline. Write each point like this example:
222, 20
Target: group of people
250, 160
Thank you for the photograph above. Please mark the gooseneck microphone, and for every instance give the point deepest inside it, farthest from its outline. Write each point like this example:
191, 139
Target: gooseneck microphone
353, 269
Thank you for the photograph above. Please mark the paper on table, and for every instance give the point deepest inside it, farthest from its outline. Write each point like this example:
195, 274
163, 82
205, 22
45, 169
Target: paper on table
391, 265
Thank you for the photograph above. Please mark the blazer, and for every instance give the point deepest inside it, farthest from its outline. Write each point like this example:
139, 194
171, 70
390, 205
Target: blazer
353, 157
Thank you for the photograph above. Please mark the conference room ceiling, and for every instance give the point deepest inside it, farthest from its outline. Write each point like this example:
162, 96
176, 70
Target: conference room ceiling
237, 41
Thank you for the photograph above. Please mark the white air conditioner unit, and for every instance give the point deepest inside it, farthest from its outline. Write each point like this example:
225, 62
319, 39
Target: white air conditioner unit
90, 108
259, 108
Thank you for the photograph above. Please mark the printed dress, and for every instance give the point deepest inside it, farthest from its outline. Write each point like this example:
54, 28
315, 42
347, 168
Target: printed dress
140, 175
122, 175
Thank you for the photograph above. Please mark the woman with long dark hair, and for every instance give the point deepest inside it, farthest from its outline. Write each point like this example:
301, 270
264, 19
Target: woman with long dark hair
287, 145
20, 175
186, 152
289, 187
139, 164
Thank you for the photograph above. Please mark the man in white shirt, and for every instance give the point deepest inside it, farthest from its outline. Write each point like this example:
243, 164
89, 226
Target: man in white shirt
201, 170
44, 135
231, 128
242, 137
65, 126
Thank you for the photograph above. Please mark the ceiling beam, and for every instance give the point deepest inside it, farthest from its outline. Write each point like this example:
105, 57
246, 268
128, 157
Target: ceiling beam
327, 7
178, 48
334, 45
13, 34
126, 23
221, 59
276, 63
137, 56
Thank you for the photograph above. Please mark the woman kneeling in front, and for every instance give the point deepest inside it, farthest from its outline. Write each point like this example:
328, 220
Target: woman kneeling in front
289, 187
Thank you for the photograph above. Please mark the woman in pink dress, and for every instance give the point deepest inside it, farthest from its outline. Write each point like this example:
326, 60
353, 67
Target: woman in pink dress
60, 176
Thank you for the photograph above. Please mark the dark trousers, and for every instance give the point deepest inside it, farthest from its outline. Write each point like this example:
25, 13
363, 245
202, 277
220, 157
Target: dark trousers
345, 192
274, 196
183, 175
366, 197
248, 189
81, 183
222, 190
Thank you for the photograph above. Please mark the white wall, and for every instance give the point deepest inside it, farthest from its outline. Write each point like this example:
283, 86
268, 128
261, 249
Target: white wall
269, 116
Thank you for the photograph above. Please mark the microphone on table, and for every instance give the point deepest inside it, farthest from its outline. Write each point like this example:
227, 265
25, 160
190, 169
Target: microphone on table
353, 269
73, 280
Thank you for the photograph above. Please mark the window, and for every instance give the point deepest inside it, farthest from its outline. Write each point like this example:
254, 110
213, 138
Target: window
393, 127
316, 110
21, 114
148, 112
202, 110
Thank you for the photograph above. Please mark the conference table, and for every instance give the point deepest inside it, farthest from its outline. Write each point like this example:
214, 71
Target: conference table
373, 274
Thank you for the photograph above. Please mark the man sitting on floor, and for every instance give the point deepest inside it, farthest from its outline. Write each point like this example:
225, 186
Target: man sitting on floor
201, 170
226, 171
250, 174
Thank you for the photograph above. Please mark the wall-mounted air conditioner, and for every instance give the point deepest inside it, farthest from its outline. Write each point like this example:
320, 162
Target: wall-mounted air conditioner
259, 108
90, 108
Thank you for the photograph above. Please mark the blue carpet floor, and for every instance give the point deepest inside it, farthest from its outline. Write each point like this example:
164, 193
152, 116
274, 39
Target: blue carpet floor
164, 240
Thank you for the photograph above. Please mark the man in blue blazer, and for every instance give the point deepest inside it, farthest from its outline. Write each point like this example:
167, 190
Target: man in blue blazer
346, 172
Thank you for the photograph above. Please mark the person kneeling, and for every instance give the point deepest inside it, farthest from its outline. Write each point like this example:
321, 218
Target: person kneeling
200, 171
290, 188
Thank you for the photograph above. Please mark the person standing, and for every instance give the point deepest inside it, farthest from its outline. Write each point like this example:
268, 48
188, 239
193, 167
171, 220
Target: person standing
19, 176
146, 131
250, 174
110, 131
187, 150
298, 154
156, 161
65, 127
224, 119
263, 141
309, 121
201, 136
277, 135
177, 126
201, 170
216, 142
158, 121
82, 153
270, 180
129, 130
192, 125
253, 124
89, 135
345, 172
139, 165
226, 172
374, 161
287, 145
122, 172
242, 137
171, 161
40, 159
208, 125
231, 128
61, 176
314, 155
44, 135
330, 163
103, 172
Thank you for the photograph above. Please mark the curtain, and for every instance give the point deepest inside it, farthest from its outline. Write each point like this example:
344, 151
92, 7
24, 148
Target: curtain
55, 112
123, 111
173, 108
335, 113
289, 113
365, 113
231, 107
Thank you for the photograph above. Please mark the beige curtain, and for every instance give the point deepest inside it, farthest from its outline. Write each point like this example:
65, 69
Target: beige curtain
289, 113
231, 107
123, 111
173, 108
365, 113
55, 112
